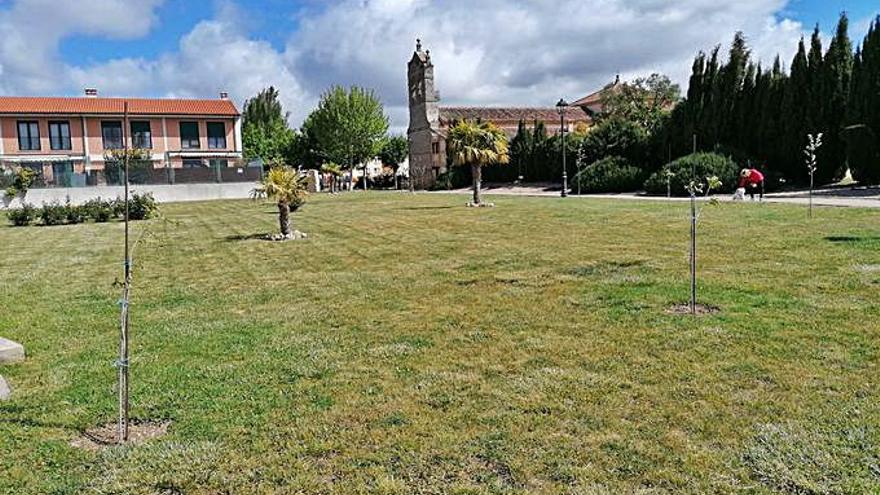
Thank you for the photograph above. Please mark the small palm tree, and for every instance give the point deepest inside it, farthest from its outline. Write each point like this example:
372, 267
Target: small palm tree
286, 186
335, 171
477, 144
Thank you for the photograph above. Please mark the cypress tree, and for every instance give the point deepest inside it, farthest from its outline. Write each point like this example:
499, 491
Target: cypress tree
836, 75
795, 109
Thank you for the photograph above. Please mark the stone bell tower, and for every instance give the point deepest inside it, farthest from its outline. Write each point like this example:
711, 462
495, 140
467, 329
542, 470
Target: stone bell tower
427, 147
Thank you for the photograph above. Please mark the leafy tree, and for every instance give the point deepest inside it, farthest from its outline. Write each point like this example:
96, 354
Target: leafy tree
615, 137
477, 144
395, 150
265, 134
643, 101
272, 143
288, 189
348, 127
264, 110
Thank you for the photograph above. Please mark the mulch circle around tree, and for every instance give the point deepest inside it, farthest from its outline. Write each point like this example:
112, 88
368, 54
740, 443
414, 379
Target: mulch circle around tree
685, 309
104, 436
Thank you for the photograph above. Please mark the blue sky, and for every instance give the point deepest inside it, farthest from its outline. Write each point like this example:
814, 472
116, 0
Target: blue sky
274, 20
486, 52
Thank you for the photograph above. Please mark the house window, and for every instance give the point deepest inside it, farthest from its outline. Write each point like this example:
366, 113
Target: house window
141, 135
28, 136
111, 132
193, 163
435, 148
216, 135
189, 135
59, 135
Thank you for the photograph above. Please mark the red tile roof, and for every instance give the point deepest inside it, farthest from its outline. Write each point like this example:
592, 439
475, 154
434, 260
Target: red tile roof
141, 106
514, 114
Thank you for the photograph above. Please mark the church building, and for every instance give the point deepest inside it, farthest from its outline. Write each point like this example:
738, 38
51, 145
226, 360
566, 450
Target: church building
429, 122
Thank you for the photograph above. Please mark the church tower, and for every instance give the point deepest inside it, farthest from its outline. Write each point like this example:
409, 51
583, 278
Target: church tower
427, 148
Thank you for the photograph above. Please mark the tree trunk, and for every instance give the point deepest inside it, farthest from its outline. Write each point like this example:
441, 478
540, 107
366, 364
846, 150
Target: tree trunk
365, 177
477, 172
284, 218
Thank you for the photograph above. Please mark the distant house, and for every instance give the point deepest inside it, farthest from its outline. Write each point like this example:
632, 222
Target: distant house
429, 122
66, 140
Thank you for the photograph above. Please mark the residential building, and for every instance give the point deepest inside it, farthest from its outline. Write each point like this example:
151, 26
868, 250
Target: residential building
69, 141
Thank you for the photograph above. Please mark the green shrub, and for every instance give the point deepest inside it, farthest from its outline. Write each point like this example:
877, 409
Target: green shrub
22, 180
23, 216
75, 214
118, 207
98, 210
615, 137
53, 213
454, 178
611, 174
703, 164
142, 206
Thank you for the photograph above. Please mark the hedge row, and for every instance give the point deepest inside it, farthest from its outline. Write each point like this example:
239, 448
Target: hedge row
140, 207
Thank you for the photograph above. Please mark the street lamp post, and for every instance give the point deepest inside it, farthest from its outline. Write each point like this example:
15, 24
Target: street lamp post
561, 106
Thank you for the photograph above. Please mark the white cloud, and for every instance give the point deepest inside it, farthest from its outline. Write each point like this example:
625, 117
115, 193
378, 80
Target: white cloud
491, 52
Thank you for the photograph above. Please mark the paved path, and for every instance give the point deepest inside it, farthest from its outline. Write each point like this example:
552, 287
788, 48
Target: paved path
850, 198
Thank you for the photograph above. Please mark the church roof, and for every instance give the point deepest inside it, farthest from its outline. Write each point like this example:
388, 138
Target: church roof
511, 114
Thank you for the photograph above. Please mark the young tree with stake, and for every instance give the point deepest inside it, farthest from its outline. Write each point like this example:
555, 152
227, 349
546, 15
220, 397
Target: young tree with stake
813, 145
697, 188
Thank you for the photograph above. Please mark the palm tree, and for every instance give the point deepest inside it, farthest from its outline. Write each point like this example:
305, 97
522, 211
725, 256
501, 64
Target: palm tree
477, 144
334, 171
286, 186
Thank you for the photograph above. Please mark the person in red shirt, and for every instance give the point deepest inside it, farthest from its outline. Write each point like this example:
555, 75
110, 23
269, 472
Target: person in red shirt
752, 180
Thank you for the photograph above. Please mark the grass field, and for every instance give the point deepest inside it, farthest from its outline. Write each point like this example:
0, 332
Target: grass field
412, 345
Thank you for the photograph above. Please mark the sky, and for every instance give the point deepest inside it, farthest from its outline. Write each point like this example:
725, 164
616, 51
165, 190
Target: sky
486, 52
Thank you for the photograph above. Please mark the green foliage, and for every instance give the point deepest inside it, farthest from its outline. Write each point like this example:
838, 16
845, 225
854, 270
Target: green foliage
643, 101
862, 135
454, 178
767, 114
75, 214
22, 216
610, 174
348, 127
395, 149
53, 213
284, 185
263, 110
272, 143
615, 137
22, 180
142, 206
477, 144
265, 134
99, 210
694, 167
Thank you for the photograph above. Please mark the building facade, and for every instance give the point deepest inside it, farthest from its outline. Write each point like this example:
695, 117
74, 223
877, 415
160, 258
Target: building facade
70, 141
429, 122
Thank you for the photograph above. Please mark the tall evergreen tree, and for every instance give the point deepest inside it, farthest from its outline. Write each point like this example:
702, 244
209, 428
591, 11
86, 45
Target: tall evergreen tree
794, 115
836, 76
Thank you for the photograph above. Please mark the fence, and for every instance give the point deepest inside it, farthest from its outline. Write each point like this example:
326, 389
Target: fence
68, 174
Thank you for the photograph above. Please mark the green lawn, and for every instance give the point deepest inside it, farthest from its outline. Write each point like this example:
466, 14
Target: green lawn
412, 345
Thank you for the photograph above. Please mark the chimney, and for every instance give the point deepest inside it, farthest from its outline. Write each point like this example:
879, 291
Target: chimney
91, 92
224, 95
